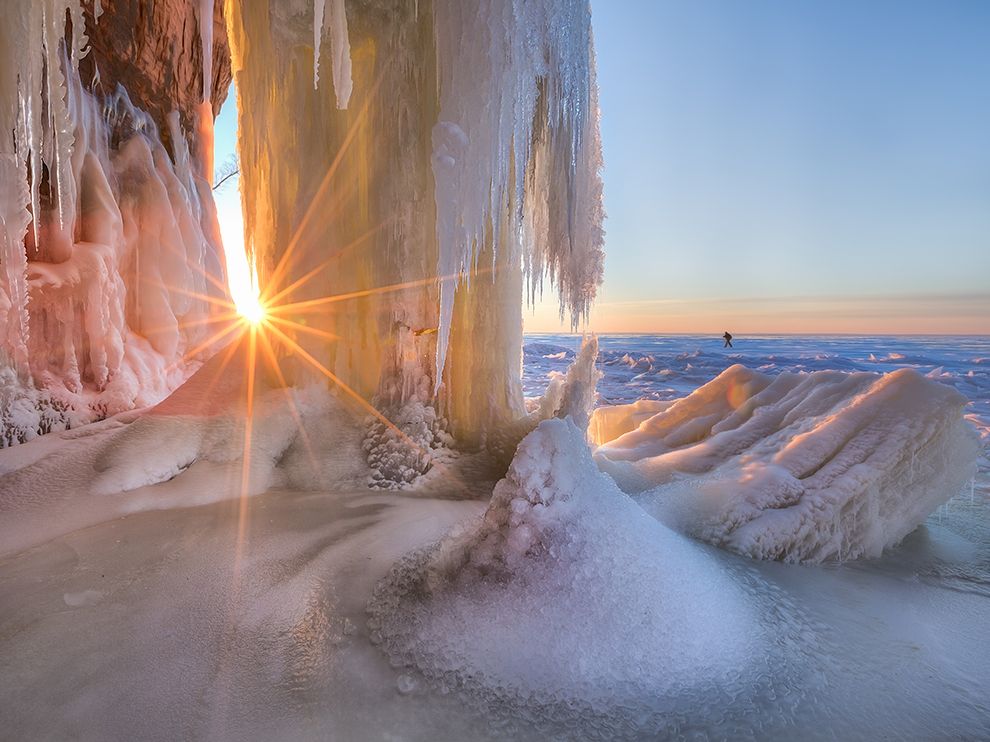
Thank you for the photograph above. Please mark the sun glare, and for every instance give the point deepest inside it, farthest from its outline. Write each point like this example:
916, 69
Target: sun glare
247, 297
242, 275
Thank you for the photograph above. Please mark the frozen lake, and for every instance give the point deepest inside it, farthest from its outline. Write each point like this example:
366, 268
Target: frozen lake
198, 623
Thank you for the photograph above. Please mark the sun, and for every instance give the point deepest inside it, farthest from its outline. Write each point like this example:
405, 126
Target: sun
242, 281
251, 309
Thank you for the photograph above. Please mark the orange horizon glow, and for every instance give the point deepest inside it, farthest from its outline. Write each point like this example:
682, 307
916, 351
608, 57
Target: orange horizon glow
874, 315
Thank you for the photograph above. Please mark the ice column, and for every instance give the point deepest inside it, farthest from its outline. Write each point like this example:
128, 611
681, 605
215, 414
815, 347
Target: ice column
464, 170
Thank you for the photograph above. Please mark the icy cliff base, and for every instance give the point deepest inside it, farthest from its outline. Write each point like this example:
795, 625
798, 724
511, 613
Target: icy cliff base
110, 258
198, 446
798, 467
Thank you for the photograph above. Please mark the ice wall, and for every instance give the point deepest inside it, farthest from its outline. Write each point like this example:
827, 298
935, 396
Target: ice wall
456, 155
108, 242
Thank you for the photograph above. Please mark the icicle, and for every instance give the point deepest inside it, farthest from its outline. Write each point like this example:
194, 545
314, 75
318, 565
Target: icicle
518, 132
340, 47
206, 37
34, 113
318, 7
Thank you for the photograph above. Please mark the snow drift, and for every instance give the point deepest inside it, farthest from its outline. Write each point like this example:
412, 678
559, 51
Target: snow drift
798, 467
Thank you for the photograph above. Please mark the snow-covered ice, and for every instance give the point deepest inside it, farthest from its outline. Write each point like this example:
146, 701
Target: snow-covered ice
560, 609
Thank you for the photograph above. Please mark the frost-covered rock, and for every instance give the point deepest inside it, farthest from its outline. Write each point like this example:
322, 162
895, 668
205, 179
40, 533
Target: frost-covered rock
799, 467
26, 413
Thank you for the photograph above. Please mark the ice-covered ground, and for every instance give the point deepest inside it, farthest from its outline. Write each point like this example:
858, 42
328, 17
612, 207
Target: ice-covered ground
562, 610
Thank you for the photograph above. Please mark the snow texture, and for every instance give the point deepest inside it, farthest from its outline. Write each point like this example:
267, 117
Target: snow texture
826, 466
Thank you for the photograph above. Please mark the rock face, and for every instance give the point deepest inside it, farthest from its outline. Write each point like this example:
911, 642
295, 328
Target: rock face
154, 49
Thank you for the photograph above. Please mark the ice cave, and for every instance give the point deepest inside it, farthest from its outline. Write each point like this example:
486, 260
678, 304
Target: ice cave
338, 494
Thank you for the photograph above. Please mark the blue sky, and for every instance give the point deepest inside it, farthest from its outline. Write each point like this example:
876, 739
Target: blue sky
789, 165
779, 157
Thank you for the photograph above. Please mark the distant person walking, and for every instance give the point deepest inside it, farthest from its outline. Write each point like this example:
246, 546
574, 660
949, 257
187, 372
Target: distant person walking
728, 339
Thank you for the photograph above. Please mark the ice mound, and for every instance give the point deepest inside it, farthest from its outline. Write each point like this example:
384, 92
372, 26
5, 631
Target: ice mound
566, 601
799, 467
400, 453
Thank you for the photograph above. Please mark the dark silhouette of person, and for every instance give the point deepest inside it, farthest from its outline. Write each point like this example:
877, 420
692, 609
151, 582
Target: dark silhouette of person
728, 339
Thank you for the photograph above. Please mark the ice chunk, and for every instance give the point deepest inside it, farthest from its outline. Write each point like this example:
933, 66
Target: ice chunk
611, 421
799, 467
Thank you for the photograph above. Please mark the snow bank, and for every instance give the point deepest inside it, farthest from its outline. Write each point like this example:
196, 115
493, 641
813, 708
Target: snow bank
799, 467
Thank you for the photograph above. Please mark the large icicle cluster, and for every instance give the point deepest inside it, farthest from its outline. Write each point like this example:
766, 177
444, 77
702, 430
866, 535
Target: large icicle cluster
37, 138
103, 247
517, 146
469, 145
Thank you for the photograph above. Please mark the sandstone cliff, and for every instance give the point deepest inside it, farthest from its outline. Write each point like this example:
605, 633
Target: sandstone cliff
153, 48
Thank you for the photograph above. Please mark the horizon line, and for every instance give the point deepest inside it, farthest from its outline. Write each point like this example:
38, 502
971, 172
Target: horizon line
767, 334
